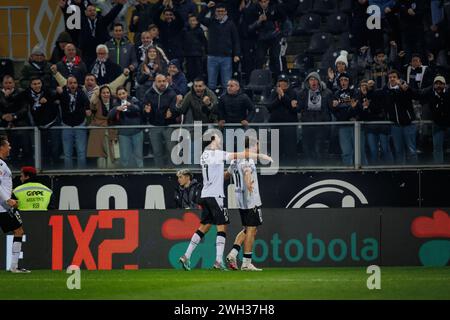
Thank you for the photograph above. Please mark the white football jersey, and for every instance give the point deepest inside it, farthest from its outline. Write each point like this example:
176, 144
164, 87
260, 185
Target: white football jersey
245, 199
212, 162
6, 185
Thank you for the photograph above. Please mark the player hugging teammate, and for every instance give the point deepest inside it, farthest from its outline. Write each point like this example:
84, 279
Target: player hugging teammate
212, 199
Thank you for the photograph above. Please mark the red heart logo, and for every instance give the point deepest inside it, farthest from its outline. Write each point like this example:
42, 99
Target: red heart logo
426, 227
176, 229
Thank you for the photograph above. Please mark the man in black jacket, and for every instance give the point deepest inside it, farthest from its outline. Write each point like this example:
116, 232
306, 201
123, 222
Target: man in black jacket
283, 107
188, 191
74, 110
171, 30
396, 98
141, 18
13, 114
194, 47
438, 98
160, 111
223, 44
94, 29
267, 21
40, 103
234, 105
104, 69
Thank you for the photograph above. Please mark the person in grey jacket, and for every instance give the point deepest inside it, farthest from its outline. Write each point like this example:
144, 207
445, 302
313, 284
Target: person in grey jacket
121, 50
315, 102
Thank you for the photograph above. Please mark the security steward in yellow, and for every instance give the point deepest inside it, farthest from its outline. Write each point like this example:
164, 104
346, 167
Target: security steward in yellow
31, 195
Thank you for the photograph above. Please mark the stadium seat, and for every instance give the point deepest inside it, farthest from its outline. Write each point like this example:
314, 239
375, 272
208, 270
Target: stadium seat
345, 6
308, 24
304, 6
260, 82
320, 42
260, 114
337, 23
324, 7
303, 62
344, 41
329, 58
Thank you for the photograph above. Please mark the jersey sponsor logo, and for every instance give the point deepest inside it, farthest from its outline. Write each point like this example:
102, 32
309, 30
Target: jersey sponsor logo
322, 194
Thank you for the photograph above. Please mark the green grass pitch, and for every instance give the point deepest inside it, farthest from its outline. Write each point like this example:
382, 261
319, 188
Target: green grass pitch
274, 283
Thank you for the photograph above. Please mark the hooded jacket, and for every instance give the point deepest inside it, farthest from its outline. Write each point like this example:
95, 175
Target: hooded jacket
160, 103
58, 53
40, 70
308, 114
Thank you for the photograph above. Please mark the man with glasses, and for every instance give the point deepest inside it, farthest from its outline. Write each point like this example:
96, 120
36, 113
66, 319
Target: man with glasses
223, 44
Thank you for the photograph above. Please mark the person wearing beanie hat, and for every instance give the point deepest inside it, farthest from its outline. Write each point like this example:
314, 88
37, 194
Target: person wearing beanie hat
37, 67
37, 51
283, 108
346, 108
341, 64
314, 104
342, 58
377, 65
58, 51
176, 78
438, 97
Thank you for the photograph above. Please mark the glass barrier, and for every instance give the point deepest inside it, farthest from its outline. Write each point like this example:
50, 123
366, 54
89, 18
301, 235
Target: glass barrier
328, 145
419, 144
22, 142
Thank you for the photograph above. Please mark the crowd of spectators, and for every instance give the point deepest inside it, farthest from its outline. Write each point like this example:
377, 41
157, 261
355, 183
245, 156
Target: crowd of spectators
189, 61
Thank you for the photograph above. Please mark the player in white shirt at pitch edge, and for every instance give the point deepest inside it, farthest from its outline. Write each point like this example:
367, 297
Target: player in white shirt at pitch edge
10, 219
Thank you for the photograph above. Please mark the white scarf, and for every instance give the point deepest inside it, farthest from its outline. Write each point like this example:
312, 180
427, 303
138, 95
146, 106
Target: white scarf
99, 67
73, 100
36, 96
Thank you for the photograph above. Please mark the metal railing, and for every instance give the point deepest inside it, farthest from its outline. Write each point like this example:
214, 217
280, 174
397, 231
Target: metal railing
330, 158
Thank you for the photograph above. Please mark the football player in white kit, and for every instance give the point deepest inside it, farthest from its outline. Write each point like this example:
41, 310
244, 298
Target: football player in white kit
10, 219
212, 162
245, 178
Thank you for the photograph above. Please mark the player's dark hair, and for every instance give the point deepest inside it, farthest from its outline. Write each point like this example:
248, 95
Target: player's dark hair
118, 24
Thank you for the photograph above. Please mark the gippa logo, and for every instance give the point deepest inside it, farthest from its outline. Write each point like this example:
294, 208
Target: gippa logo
435, 252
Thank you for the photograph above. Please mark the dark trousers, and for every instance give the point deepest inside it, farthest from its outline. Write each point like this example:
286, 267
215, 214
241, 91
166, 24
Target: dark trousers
194, 68
274, 48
